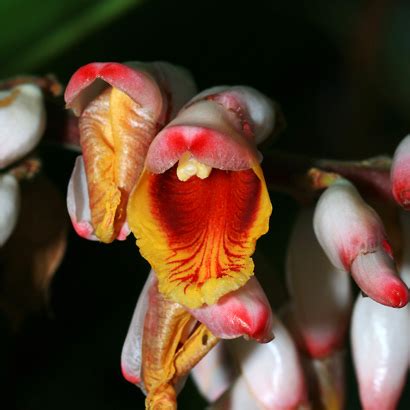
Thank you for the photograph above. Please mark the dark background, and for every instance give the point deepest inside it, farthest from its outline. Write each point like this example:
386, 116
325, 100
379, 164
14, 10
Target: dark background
339, 70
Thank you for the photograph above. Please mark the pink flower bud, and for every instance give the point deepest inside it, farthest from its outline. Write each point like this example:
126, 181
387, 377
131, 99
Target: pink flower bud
380, 340
320, 293
9, 206
272, 371
352, 236
244, 312
214, 373
400, 173
22, 122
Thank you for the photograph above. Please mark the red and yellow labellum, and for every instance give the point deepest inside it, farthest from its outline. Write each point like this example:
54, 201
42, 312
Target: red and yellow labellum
115, 136
198, 228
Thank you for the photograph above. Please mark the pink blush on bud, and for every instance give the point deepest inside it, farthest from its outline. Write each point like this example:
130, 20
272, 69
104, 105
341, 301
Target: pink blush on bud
83, 229
129, 377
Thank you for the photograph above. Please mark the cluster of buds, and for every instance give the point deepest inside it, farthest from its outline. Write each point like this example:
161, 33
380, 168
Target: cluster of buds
183, 173
24, 219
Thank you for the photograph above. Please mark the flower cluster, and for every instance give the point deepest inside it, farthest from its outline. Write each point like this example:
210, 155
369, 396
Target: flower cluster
23, 191
182, 172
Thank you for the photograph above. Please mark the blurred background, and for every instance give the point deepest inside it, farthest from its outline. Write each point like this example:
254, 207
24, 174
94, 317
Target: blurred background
339, 70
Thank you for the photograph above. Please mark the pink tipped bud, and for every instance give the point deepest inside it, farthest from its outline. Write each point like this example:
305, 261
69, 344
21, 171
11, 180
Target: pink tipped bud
244, 312
214, 373
320, 293
380, 340
400, 173
131, 356
353, 237
375, 274
272, 371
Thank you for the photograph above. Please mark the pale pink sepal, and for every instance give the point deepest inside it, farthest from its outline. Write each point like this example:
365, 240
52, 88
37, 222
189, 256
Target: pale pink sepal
272, 371
214, 373
9, 206
213, 132
238, 397
251, 108
244, 312
400, 173
131, 356
22, 122
380, 342
320, 294
353, 237
78, 204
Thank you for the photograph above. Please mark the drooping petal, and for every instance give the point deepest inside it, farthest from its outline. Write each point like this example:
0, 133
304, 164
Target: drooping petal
352, 236
400, 173
197, 221
117, 124
131, 356
9, 206
214, 373
22, 122
272, 370
244, 312
380, 340
320, 293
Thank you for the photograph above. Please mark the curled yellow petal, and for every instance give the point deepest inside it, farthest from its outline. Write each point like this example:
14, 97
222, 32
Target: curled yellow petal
115, 135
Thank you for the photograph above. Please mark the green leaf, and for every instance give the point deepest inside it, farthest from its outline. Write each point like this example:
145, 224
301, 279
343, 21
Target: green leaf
33, 32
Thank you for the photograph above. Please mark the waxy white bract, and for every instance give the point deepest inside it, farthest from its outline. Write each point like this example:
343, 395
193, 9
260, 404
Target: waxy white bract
400, 173
320, 293
272, 371
22, 119
9, 206
214, 374
131, 356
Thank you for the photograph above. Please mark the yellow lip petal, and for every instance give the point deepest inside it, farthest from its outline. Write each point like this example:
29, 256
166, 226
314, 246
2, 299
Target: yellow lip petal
199, 235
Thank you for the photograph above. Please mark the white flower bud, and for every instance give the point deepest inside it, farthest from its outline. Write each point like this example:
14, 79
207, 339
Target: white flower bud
22, 122
9, 206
